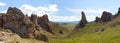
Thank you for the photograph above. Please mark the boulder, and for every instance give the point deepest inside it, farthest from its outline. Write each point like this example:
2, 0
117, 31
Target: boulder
83, 21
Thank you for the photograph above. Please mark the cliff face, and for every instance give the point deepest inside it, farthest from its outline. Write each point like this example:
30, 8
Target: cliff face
23, 25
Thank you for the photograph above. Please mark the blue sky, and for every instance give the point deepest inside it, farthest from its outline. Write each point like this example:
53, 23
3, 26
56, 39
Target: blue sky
63, 10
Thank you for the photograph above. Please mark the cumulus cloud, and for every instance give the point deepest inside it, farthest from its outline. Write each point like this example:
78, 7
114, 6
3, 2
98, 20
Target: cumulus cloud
64, 18
2, 4
50, 10
70, 18
28, 9
90, 18
88, 11
4, 11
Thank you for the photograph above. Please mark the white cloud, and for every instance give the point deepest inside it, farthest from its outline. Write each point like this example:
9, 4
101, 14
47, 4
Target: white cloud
70, 18
90, 13
51, 10
64, 18
87, 11
28, 9
90, 18
3, 11
2, 4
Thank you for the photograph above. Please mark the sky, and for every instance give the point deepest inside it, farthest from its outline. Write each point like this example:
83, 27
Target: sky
63, 10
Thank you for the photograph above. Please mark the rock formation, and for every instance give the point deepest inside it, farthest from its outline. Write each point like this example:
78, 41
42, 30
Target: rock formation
15, 12
24, 26
34, 19
97, 20
18, 23
44, 23
118, 13
1, 20
118, 10
82, 22
106, 17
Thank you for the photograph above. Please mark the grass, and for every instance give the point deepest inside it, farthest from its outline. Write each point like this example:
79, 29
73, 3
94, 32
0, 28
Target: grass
61, 27
109, 36
55, 27
88, 34
23, 40
91, 33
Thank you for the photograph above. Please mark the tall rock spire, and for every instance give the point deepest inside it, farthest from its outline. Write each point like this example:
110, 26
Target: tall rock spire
82, 22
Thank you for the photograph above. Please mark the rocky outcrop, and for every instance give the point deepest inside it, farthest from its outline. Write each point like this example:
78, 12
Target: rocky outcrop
106, 17
97, 20
1, 20
34, 19
44, 23
18, 23
83, 21
14, 11
21, 24
117, 14
118, 10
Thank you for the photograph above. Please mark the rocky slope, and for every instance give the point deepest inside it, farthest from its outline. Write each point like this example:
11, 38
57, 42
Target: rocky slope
24, 26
